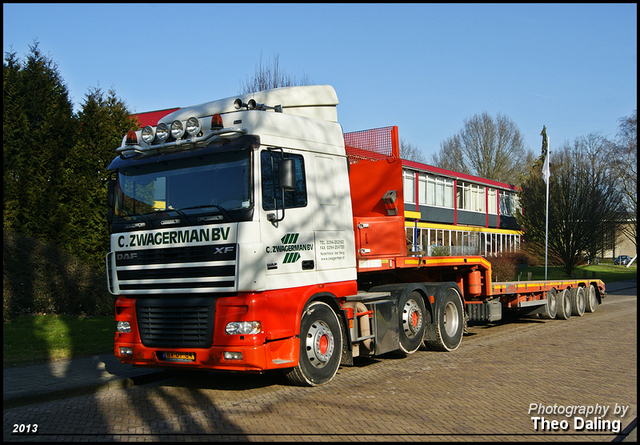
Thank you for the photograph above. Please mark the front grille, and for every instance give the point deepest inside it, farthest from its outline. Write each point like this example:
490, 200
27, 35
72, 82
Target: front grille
210, 268
176, 322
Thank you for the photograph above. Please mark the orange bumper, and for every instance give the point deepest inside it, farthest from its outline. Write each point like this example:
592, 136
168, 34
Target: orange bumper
252, 358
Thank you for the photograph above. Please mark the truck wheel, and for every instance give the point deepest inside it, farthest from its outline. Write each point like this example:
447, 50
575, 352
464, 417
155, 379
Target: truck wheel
564, 305
449, 323
577, 301
591, 299
412, 313
320, 346
551, 309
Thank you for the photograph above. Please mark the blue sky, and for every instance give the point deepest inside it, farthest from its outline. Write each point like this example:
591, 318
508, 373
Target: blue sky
422, 67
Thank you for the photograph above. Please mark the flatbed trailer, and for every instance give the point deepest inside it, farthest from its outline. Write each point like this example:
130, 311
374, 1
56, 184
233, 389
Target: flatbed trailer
382, 256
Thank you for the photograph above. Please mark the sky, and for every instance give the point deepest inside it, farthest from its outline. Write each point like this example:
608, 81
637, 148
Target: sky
422, 67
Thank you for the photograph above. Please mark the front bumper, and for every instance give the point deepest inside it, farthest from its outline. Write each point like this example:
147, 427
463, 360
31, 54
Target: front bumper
253, 358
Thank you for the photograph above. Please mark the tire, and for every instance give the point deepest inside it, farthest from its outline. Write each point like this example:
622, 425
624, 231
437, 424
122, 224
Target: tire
591, 299
552, 305
320, 346
449, 321
578, 301
564, 305
412, 321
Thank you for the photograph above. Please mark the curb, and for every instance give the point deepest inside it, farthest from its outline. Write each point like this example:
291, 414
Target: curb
83, 390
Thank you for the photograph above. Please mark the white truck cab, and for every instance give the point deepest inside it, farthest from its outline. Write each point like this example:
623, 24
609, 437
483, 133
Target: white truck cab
197, 204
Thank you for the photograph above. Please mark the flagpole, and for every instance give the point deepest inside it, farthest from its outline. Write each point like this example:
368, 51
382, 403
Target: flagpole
546, 241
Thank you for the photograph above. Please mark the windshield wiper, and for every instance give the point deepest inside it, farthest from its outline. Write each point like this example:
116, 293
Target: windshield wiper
131, 224
215, 206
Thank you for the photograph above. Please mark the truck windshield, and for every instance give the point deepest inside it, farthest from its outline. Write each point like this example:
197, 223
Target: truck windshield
215, 183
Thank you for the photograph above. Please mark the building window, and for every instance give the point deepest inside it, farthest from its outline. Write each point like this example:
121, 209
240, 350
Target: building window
409, 187
509, 204
435, 191
470, 197
493, 203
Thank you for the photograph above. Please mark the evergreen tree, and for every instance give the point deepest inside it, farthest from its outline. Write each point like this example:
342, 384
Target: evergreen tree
36, 149
14, 127
103, 122
54, 162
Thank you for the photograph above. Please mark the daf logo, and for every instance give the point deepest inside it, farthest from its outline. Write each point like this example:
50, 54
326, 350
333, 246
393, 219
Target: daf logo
126, 256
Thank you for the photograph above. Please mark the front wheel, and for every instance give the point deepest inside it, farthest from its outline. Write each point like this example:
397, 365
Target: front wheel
320, 346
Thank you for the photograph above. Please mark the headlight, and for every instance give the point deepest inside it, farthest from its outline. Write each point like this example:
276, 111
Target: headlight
147, 134
193, 126
243, 327
177, 130
123, 326
162, 132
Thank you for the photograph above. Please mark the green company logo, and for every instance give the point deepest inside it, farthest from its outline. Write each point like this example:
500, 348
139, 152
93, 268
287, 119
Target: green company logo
290, 238
289, 246
291, 258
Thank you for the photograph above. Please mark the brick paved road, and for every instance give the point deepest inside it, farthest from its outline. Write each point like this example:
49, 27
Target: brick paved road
480, 392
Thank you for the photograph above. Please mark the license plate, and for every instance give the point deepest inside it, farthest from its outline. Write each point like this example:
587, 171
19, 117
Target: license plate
180, 356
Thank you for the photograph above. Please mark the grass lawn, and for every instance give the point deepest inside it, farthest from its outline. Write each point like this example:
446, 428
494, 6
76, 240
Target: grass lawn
606, 272
31, 339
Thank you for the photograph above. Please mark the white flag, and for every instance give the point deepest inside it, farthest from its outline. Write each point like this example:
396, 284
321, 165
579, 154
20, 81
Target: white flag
546, 173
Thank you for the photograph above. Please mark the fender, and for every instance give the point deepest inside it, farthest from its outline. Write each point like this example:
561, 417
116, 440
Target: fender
332, 301
399, 289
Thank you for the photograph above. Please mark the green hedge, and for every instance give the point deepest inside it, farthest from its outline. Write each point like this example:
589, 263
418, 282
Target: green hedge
40, 278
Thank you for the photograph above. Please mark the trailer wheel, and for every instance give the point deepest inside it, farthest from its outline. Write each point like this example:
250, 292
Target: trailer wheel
564, 305
449, 323
320, 346
591, 299
551, 309
412, 313
577, 301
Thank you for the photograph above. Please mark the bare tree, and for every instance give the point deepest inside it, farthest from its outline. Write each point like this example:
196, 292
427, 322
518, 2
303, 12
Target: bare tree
623, 156
486, 147
270, 76
584, 202
411, 152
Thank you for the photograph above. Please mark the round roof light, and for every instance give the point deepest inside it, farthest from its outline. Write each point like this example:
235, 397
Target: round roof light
177, 130
162, 132
148, 134
193, 126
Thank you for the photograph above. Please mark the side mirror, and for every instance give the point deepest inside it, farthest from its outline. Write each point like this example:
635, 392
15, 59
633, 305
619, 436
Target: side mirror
287, 174
111, 199
111, 192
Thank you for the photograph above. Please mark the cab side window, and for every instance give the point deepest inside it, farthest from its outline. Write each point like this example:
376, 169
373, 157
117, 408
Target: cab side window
271, 194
